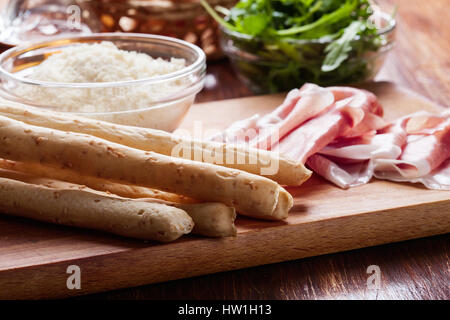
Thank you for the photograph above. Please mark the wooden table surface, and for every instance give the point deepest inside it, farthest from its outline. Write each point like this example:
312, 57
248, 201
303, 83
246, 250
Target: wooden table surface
417, 269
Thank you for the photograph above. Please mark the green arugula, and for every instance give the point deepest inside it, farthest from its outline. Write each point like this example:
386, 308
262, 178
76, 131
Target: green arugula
343, 26
338, 50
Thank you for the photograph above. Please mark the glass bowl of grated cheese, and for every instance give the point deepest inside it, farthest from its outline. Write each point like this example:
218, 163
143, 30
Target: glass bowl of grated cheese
133, 79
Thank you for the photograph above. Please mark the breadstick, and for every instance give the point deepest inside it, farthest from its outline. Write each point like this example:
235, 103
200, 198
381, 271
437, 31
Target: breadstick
250, 194
80, 208
261, 162
211, 219
65, 174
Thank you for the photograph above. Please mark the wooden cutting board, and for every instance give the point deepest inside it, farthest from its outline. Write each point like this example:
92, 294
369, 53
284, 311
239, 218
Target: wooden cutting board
34, 256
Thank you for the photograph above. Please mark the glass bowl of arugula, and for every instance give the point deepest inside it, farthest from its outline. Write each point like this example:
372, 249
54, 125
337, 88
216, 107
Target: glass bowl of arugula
277, 45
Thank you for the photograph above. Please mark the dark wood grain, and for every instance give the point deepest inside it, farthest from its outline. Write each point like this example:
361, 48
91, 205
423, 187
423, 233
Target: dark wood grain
409, 270
416, 269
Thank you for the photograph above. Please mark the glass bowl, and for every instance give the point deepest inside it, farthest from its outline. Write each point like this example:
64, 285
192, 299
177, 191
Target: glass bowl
170, 95
182, 19
267, 67
24, 20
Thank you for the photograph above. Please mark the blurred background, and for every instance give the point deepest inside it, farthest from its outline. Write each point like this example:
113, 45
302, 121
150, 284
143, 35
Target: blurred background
24, 20
419, 59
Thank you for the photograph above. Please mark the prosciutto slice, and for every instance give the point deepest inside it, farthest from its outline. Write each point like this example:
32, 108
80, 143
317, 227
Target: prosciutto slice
426, 150
350, 113
399, 152
263, 132
349, 161
344, 175
340, 133
439, 179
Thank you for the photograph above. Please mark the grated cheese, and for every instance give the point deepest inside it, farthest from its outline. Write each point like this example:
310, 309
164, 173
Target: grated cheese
100, 62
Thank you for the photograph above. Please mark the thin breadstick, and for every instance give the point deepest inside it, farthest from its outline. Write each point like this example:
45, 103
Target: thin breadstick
252, 160
211, 219
65, 174
250, 194
81, 208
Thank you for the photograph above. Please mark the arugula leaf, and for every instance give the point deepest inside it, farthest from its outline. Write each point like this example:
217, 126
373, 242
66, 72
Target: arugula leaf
344, 11
297, 41
255, 24
216, 16
337, 51
291, 18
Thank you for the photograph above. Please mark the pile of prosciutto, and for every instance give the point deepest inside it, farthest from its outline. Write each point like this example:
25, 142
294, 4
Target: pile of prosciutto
340, 133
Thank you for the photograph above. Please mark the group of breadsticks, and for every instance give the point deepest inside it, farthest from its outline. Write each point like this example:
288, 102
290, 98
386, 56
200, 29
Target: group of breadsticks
76, 171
